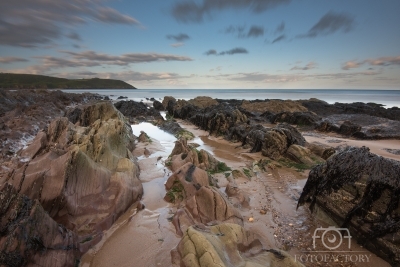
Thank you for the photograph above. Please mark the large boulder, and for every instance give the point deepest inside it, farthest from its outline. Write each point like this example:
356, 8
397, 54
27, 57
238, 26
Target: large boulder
84, 174
359, 190
138, 111
226, 245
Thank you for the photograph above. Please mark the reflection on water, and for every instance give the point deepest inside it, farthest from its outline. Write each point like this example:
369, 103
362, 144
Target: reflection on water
167, 140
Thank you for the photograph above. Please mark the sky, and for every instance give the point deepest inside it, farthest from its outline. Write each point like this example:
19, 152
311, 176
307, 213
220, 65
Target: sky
206, 44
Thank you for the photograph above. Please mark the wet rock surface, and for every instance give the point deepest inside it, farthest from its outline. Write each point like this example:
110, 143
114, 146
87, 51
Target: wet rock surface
138, 111
359, 190
84, 174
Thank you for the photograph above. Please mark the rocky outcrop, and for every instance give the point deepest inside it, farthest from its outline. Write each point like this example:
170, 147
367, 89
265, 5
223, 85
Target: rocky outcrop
298, 118
273, 106
359, 190
227, 245
158, 105
324, 109
23, 113
83, 174
138, 111
174, 128
30, 237
361, 126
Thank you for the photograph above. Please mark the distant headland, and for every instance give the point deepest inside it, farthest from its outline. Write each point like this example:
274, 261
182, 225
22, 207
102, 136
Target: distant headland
31, 81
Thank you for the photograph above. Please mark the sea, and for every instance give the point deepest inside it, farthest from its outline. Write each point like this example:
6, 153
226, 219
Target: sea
387, 98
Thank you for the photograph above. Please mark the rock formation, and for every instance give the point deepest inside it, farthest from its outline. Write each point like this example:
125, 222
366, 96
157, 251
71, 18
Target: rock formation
83, 174
359, 190
138, 111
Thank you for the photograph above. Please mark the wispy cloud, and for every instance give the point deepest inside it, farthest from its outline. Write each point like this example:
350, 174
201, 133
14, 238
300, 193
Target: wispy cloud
237, 50
179, 37
241, 31
191, 11
279, 38
30, 23
382, 61
177, 45
74, 36
330, 23
280, 28
8, 60
308, 66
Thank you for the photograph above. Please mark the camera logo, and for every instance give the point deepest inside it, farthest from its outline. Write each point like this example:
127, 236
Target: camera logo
331, 237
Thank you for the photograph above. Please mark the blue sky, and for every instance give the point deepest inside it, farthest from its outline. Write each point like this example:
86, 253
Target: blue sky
206, 43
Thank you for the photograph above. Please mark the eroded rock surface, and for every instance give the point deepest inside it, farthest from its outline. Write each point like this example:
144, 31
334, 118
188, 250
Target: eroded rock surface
138, 111
83, 174
359, 190
227, 245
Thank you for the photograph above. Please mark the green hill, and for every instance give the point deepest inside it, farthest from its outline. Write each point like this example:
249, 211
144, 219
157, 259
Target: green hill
30, 81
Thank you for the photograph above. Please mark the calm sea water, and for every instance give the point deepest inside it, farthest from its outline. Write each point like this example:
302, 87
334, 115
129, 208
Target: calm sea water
389, 98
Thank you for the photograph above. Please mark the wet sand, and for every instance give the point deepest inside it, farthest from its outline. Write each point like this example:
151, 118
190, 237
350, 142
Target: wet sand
145, 238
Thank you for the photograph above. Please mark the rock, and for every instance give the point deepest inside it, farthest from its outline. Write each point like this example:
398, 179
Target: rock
144, 138
273, 106
203, 102
158, 105
174, 128
298, 118
234, 192
361, 126
138, 111
84, 175
226, 245
31, 237
321, 150
186, 180
359, 191
166, 102
122, 97
302, 155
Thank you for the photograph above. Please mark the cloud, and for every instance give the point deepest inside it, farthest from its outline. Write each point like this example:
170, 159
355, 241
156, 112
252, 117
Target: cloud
8, 60
255, 31
191, 11
211, 52
237, 50
309, 66
280, 28
30, 23
330, 23
74, 36
177, 45
279, 38
382, 61
179, 37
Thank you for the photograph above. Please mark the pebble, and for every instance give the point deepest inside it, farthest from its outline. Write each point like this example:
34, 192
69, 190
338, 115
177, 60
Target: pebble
263, 211
251, 219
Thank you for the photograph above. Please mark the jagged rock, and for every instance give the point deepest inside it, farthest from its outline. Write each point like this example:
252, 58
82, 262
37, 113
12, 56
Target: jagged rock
158, 105
143, 137
166, 101
174, 128
207, 206
234, 192
84, 175
298, 118
324, 109
183, 153
302, 155
203, 101
273, 106
186, 181
321, 150
359, 190
226, 245
30, 237
138, 110
349, 128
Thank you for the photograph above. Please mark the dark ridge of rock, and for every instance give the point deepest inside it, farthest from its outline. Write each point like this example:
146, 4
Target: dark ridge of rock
84, 175
359, 190
138, 111
324, 109
298, 118
321, 150
30, 237
158, 105
23, 113
174, 128
361, 126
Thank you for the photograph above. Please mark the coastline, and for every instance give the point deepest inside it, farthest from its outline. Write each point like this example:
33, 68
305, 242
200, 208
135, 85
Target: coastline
147, 236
